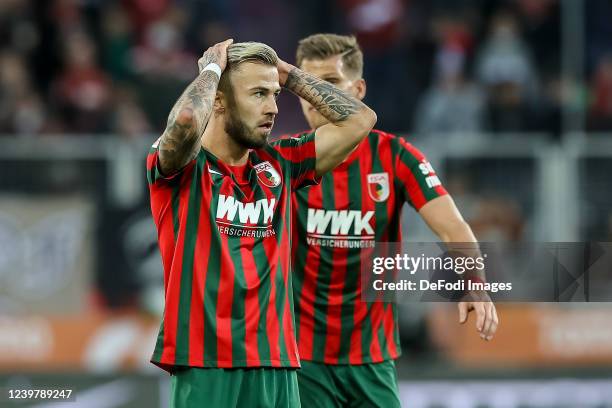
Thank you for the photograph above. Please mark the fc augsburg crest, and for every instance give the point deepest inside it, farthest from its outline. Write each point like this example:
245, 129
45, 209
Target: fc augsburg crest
267, 174
378, 186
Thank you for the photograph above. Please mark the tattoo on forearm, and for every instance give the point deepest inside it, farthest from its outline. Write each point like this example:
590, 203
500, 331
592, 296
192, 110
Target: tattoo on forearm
180, 142
331, 102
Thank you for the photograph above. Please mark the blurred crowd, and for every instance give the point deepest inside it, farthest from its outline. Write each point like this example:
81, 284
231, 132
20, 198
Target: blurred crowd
432, 66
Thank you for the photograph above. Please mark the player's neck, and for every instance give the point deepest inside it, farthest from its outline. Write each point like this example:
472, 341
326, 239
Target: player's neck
218, 142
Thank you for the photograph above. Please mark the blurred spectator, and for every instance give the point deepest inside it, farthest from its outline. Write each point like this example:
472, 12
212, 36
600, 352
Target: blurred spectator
452, 104
541, 27
461, 187
493, 216
162, 54
82, 90
497, 219
598, 32
17, 28
21, 109
454, 31
145, 12
504, 57
163, 66
67, 16
377, 23
378, 26
504, 66
118, 41
129, 120
555, 95
601, 89
212, 32
417, 54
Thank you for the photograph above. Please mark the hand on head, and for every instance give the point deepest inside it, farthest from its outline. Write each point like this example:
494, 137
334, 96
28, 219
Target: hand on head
216, 54
283, 71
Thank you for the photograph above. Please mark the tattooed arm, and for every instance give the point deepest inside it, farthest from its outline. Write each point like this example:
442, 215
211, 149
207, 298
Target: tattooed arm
350, 119
180, 142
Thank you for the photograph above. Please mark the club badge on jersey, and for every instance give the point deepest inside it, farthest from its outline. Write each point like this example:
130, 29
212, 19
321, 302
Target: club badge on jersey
267, 174
378, 186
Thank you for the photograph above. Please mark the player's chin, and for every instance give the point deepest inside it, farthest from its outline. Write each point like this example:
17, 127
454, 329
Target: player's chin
262, 133
261, 137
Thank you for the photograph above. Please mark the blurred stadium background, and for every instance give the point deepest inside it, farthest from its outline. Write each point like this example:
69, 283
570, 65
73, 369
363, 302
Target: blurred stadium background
510, 99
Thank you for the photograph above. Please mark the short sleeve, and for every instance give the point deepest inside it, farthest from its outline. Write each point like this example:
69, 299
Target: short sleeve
300, 152
154, 175
415, 177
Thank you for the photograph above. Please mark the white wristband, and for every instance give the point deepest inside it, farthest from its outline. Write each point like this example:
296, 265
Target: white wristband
214, 68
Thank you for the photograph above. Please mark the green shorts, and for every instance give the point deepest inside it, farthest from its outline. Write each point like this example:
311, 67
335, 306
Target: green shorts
235, 387
339, 386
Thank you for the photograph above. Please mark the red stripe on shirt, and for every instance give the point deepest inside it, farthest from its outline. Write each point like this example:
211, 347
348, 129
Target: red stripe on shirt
163, 217
307, 300
288, 325
271, 246
338, 278
376, 315
360, 307
251, 301
174, 279
416, 196
385, 155
272, 323
225, 296
389, 327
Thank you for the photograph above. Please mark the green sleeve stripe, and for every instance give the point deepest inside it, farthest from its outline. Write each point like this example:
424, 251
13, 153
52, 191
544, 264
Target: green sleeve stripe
413, 165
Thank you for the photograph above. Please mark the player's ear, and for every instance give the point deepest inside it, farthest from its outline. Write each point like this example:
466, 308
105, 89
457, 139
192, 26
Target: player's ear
220, 103
360, 85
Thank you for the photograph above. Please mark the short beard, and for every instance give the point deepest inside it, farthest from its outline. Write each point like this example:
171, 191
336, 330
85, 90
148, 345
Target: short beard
238, 131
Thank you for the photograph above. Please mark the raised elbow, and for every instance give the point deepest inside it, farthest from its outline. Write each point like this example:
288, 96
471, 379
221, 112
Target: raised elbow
363, 121
370, 118
184, 119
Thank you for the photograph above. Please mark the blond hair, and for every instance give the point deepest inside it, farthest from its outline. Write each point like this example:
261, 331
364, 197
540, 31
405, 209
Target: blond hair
239, 53
323, 46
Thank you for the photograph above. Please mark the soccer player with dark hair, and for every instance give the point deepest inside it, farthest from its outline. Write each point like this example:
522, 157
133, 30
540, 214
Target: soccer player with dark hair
221, 201
347, 346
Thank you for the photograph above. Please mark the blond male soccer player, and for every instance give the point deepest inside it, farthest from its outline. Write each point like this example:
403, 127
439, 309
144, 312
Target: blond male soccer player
347, 346
221, 200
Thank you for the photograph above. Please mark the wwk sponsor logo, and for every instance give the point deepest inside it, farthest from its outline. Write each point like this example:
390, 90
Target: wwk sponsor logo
339, 229
258, 212
343, 222
252, 220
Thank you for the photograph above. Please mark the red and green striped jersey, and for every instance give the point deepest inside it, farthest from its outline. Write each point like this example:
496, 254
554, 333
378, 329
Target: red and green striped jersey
355, 205
224, 235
